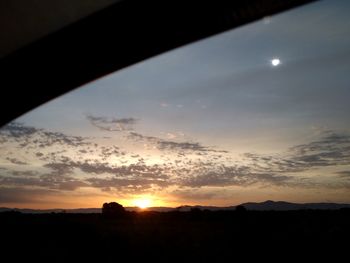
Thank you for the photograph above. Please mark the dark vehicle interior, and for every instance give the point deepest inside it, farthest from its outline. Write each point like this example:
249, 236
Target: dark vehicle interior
52, 49
120, 35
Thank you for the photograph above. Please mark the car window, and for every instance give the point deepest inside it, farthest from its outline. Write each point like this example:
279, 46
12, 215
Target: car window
256, 113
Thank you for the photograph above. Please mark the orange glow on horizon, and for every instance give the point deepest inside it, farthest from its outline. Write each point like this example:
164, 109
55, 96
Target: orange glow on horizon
142, 203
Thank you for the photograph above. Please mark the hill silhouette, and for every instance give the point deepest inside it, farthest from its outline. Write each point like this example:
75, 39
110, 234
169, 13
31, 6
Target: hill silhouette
263, 206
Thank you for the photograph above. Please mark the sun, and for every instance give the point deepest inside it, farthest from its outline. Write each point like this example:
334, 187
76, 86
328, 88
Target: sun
142, 203
275, 62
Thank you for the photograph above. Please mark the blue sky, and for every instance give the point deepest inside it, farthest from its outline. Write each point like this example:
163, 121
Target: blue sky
213, 122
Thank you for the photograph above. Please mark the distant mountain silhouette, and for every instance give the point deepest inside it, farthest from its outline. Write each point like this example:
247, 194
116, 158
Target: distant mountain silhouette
272, 205
45, 211
263, 206
285, 206
186, 208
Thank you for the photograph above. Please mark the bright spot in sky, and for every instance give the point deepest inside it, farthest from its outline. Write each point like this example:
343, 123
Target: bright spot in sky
142, 203
275, 62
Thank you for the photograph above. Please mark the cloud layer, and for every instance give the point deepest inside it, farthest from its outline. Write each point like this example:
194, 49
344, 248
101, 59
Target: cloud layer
66, 163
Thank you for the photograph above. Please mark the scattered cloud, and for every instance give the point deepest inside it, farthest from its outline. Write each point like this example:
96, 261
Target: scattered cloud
67, 163
126, 185
63, 168
26, 173
16, 161
344, 174
28, 136
112, 124
225, 175
330, 150
162, 144
46, 181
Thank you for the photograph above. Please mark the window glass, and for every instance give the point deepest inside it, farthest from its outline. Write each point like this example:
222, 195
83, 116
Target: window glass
259, 112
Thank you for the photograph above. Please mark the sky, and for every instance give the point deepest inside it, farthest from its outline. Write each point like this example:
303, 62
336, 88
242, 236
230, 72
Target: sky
256, 113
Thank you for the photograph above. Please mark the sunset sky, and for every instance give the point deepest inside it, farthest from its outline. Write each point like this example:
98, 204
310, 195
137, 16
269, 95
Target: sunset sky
211, 123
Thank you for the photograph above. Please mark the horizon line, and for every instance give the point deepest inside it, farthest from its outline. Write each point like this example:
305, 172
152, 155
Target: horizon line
170, 207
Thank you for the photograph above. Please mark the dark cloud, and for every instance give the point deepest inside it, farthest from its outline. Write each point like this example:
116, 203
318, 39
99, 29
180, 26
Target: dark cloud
344, 174
333, 149
106, 152
330, 150
162, 144
63, 168
112, 124
133, 170
140, 137
129, 178
224, 175
218, 176
23, 195
46, 181
183, 146
127, 184
21, 173
16, 161
17, 130
25, 173
33, 137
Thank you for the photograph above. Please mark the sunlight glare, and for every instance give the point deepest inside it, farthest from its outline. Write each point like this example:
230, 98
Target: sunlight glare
275, 62
142, 203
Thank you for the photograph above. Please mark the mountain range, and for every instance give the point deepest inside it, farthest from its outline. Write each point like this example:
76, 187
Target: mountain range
263, 206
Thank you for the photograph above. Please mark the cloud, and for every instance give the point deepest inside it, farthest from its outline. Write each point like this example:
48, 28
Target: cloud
265, 170
330, 150
195, 194
132, 171
112, 124
140, 137
344, 174
23, 195
183, 146
106, 152
32, 137
71, 162
45, 181
60, 168
226, 175
127, 184
279, 180
141, 176
125, 124
39, 154
162, 144
17, 130
26, 173
16, 161
125, 178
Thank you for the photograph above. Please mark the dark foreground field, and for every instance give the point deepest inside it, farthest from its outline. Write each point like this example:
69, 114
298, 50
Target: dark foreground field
195, 236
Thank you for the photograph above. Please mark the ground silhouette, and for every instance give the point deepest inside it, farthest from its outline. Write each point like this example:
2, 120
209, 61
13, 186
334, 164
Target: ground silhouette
193, 236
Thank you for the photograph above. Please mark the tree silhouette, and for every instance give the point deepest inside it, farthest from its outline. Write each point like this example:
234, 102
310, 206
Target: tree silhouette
240, 209
113, 210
